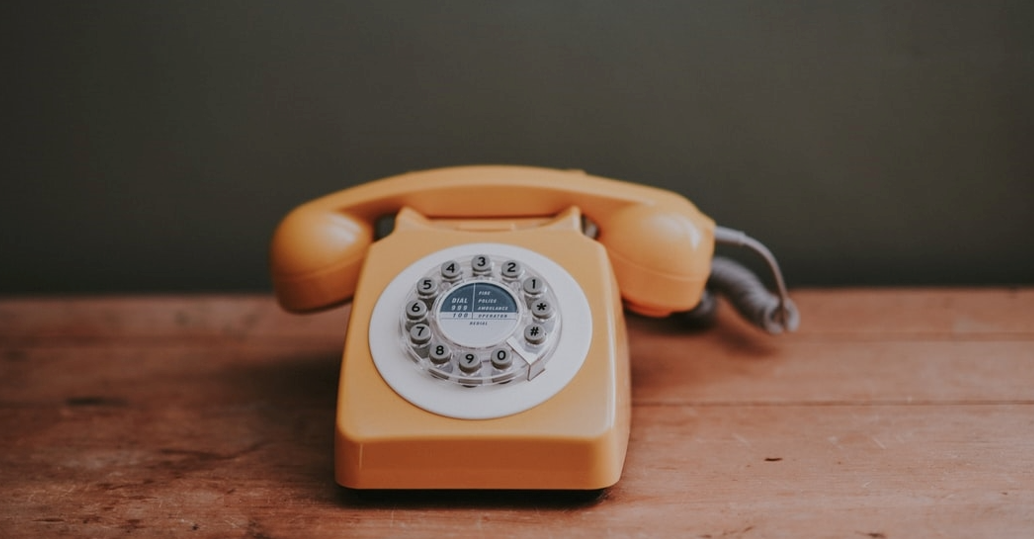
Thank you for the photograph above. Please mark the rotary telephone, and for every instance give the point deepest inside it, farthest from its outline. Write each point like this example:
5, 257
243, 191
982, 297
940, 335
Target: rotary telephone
486, 347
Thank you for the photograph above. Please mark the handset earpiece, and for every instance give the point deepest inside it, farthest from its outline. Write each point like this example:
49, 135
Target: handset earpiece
661, 255
315, 257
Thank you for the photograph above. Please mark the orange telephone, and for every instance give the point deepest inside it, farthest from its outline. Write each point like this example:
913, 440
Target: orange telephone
486, 346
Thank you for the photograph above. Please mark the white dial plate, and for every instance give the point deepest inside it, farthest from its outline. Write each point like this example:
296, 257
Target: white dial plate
490, 401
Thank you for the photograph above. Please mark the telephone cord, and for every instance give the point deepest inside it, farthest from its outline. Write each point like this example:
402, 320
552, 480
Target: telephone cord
775, 313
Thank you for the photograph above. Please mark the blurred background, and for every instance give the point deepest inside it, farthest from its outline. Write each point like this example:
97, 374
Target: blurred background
153, 146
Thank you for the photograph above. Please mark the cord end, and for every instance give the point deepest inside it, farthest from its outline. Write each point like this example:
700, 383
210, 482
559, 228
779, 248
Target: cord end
783, 318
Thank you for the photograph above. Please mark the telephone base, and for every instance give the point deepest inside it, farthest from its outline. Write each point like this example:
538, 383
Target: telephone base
571, 437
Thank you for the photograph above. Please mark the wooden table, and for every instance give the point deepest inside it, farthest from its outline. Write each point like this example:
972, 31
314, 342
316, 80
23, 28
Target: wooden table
891, 414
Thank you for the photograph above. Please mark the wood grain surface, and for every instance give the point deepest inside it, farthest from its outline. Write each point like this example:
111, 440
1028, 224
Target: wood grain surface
897, 413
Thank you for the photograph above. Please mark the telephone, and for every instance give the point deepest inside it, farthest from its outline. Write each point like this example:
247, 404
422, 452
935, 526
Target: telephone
486, 347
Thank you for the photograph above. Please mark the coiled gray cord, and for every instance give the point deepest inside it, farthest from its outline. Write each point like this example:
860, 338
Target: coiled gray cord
775, 313
746, 293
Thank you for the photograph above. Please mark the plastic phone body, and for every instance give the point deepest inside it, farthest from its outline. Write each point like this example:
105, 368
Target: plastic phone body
486, 348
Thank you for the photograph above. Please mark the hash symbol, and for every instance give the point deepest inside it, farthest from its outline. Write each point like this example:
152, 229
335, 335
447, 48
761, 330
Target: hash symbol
534, 331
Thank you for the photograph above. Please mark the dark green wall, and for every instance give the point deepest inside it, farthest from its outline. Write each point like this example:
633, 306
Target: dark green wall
152, 146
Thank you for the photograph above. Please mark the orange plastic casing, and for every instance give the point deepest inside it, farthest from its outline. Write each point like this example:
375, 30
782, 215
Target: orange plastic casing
575, 440
653, 251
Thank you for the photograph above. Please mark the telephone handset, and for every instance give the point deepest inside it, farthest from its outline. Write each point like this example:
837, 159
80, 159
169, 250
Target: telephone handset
486, 346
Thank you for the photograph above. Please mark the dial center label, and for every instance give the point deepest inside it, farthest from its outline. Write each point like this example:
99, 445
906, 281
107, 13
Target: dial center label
478, 314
